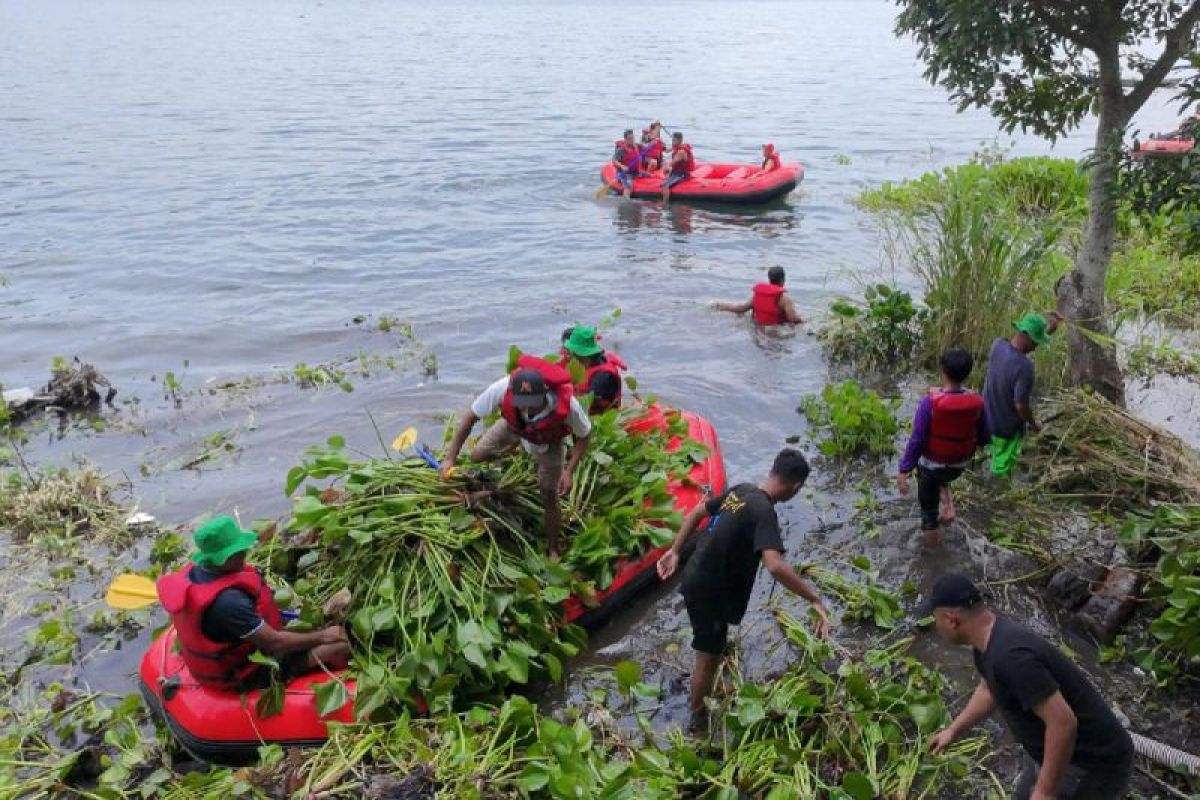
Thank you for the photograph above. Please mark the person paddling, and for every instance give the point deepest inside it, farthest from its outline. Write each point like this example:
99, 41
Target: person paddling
628, 159
223, 611
947, 428
718, 582
602, 371
1075, 747
771, 159
770, 302
538, 410
682, 164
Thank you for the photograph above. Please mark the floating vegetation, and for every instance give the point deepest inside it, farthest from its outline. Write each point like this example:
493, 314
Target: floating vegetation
62, 504
848, 420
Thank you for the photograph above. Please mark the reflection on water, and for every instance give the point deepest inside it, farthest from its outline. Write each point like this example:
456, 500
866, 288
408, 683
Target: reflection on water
632, 216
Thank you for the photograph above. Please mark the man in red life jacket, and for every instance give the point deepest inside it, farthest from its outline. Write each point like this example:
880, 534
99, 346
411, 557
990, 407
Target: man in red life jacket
652, 147
628, 159
538, 410
947, 429
223, 611
682, 164
602, 371
771, 158
770, 302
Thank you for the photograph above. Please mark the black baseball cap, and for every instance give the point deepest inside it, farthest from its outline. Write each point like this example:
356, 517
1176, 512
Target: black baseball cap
951, 591
528, 388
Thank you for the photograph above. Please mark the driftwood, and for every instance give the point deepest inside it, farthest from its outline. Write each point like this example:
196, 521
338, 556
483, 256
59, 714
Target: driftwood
71, 388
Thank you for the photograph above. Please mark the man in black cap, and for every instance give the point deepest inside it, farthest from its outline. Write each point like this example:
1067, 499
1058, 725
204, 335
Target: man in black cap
1074, 745
538, 410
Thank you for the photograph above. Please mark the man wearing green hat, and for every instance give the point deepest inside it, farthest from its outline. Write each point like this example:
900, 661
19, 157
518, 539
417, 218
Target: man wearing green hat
1008, 388
602, 371
223, 611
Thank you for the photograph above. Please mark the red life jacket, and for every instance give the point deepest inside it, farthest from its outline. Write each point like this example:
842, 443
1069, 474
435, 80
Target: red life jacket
612, 364
552, 427
954, 428
765, 305
211, 662
771, 160
688, 165
654, 150
630, 155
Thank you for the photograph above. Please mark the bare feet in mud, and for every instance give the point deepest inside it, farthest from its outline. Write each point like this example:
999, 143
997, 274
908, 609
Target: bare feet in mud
932, 537
698, 724
948, 514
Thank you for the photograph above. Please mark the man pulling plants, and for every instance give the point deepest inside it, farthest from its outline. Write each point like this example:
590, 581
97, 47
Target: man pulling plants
1074, 745
1008, 388
602, 371
223, 611
717, 586
538, 410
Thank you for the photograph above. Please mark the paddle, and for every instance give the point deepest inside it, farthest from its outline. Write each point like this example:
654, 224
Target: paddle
603, 190
129, 591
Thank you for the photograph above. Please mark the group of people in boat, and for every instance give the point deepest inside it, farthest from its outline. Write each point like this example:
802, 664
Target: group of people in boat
223, 610
649, 156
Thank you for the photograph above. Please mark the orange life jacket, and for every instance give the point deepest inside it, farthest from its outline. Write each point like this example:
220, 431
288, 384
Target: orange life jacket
953, 430
553, 426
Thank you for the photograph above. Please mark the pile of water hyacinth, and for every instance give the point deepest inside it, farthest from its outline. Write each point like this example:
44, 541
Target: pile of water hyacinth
454, 598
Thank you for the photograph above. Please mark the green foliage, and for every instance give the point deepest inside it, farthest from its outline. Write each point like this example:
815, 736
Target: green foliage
321, 376
1171, 532
453, 594
848, 420
862, 601
1033, 64
881, 332
1149, 358
1150, 276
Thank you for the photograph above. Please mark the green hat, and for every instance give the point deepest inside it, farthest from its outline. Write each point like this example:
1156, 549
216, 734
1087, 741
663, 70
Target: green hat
1034, 326
582, 342
219, 539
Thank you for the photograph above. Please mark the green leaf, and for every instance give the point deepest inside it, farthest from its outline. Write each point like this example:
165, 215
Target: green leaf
295, 477
859, 786
331, 696
628, 673
603, 459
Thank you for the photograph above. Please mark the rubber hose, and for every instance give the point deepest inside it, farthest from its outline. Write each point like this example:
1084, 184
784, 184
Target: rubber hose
1165, 754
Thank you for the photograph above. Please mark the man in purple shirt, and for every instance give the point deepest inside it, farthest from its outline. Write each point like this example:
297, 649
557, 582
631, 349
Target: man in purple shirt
947, 428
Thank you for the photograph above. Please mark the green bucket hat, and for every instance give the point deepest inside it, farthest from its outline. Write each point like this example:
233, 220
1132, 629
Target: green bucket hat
1034, 326
220, 538
582, 342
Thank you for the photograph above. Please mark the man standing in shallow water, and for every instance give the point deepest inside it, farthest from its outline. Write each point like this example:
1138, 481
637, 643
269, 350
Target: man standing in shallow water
1074, 745
718, 583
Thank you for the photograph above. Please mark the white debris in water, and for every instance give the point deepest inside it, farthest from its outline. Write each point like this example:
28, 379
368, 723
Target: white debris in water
140, 520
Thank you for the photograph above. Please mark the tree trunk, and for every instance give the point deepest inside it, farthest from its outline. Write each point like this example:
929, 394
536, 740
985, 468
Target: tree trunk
1080, 292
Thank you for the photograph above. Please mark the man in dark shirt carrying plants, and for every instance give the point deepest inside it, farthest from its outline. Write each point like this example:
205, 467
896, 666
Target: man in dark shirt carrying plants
719, 581
1074, 745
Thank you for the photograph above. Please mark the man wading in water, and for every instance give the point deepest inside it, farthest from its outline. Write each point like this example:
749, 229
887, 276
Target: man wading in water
770, 302
538, 410
718, 583
1074, 745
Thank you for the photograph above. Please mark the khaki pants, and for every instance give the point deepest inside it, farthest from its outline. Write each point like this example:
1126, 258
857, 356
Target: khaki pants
499, 439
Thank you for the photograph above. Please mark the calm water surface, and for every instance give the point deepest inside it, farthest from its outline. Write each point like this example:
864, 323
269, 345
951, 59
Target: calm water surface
227, 185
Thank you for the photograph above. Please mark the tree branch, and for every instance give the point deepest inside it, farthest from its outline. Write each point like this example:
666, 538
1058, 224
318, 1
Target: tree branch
1052, 13
1176, 42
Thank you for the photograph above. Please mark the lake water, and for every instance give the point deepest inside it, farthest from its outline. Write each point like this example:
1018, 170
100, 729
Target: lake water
219, 189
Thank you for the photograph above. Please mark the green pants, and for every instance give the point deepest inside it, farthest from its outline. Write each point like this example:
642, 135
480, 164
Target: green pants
1005, 453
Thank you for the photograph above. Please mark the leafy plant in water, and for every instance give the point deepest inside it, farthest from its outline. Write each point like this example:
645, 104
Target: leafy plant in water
848, 420
881, 332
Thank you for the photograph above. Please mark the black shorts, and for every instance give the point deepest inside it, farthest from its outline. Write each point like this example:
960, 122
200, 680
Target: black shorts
710, 632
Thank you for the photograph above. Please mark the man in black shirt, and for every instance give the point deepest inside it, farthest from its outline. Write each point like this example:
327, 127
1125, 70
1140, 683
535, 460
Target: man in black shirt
1074, 745
718, 583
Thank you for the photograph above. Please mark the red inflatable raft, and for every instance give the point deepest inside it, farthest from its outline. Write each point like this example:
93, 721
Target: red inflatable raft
222, 726
744, 184
1155, 148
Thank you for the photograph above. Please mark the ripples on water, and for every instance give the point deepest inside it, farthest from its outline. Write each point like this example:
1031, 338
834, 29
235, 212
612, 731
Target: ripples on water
229, 183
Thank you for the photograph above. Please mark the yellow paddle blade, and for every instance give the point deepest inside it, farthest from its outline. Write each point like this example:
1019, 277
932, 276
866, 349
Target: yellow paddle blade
131, 591
603, 190
405, 440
